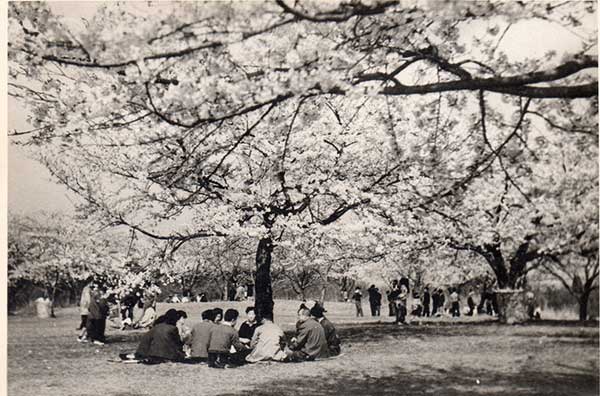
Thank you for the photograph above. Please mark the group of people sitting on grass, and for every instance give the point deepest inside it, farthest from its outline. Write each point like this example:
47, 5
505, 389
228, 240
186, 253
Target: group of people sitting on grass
216, 342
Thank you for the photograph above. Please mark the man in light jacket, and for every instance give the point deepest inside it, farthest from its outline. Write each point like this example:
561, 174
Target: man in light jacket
266, 342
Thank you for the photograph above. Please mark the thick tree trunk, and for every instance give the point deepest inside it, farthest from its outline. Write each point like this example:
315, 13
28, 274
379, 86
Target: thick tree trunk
583, 305
510, 308
53, 295
264, 293
493, 256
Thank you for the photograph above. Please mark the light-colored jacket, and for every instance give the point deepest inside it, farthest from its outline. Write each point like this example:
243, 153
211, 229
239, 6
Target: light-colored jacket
148, 318
265, 343
84, 302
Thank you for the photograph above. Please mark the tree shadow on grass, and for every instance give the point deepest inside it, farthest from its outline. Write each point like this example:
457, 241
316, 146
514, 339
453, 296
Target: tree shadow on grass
427, 381
374, 332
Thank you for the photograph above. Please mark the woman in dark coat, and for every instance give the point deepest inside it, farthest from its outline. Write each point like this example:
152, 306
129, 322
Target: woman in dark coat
96, 321
162, 343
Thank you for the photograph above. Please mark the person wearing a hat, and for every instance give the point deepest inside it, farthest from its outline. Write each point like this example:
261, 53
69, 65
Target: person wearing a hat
333, 341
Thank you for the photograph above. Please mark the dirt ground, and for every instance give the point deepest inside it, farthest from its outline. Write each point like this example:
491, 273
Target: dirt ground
470, 356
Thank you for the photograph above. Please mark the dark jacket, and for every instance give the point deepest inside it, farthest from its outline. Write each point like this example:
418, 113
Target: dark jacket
426, 298
144, 346
200, 338
333, 341
311, 339
222, 337
165, 342
98, 308
247, 330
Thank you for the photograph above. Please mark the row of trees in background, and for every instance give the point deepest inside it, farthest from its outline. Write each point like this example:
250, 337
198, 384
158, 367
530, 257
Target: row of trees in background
323, 136
58, 254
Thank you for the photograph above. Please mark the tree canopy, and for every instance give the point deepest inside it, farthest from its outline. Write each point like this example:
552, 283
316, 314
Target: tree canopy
202, 120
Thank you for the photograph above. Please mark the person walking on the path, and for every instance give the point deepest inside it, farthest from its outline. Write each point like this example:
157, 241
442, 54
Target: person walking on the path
426, 301
357, 297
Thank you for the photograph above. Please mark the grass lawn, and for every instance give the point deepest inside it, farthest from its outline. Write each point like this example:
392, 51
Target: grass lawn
434, 357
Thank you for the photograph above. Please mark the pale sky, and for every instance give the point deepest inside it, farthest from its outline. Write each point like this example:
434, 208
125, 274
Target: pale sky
30, 187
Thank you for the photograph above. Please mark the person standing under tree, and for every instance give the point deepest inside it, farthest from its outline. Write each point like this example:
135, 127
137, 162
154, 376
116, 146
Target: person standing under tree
442, 300
373, 299
455, 309
471, 303
402, 300
377, 302
84, 305
435, 299
392, 296
426, 301
96, 322
357, 297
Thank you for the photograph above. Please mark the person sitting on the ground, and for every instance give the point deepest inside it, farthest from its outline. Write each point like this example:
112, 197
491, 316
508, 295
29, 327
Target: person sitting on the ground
222, 338
308, 304
218, 315
199, 337
162, 343
310, 342
148, 317
184, 330
333, 341
266, 342
247, 328
144, 345
416, 308
127, 303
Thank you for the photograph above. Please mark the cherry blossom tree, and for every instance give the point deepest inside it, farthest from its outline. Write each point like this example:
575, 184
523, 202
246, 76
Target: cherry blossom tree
258, 119
54, 252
